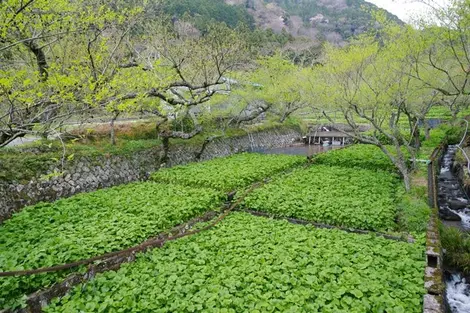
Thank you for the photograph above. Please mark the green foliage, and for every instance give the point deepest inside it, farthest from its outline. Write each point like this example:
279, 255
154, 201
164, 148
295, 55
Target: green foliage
452, 134
283, 86
348, 197
90, 224
413, 211
253, 264
457, 246
362, 156
444, 113
205, 11
70, 60
228, 174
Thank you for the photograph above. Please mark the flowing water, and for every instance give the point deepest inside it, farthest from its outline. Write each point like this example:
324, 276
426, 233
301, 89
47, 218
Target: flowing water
454, 210
454, 205
458, 294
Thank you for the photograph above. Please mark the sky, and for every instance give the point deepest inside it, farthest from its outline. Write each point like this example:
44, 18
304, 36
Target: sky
404, 9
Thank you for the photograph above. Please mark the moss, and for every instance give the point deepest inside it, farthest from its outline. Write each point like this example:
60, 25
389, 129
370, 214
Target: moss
438, 285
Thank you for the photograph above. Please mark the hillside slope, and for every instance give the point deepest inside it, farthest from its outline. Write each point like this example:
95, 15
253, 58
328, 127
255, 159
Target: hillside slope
297, 27
331, 20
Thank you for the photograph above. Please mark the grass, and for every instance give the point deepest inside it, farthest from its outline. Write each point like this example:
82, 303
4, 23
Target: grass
413, 212
457, 248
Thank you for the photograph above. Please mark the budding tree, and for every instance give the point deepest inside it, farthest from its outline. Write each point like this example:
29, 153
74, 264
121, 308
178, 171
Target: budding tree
368, 81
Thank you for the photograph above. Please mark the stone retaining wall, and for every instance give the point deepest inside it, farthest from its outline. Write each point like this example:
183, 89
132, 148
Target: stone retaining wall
86, 174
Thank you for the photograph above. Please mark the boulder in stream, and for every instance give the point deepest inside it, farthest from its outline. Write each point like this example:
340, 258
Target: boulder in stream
455, 204
446, 214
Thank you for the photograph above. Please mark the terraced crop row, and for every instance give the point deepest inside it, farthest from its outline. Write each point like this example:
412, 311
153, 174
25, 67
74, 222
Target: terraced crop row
228, 174
91, 224
253, 264
341, 196
246, 263
361, 156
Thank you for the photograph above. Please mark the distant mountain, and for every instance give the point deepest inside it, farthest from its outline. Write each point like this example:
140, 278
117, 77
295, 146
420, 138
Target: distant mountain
331, 20
296, 27
319, 20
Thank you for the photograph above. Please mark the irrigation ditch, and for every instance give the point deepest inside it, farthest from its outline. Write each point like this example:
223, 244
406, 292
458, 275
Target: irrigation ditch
453, 205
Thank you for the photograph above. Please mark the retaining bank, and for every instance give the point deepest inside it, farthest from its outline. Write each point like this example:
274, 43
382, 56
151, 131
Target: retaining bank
89, 173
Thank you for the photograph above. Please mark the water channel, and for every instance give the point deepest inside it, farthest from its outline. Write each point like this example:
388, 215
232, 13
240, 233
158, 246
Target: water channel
454, 210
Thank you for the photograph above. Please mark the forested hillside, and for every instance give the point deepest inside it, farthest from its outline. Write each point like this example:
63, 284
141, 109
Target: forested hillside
319, 20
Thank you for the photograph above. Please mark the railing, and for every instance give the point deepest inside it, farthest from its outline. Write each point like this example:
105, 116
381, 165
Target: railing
433, 171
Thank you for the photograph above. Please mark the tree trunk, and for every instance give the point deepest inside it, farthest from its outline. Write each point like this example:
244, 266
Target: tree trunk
406, 180
166, 149
113, 135
454, 116
400, 163
113, 132
417, 139
41, 59
198, 154
427, 129
284, 116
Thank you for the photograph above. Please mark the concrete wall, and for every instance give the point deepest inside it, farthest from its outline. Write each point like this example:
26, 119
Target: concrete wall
86, 174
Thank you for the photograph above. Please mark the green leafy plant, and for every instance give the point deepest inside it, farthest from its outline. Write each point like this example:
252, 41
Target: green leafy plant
413, 211
457, 248
90, 224
363, 156
253, 264
228, 174
452, 134
349, 197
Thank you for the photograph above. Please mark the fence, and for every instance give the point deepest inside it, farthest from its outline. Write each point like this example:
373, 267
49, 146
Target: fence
433, 170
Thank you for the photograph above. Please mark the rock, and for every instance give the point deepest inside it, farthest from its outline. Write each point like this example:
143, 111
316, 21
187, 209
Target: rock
448, 215
432, 304
450, 186
457, 204
446, 176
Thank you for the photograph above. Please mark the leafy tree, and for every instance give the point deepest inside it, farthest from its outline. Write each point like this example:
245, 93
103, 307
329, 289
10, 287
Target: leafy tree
441, 53
108, 58
176, 75
278, 85
205, 12
369, 82
57, 56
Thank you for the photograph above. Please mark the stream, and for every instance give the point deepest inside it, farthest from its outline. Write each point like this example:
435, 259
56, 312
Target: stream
458, 294
454, 210
454, 205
